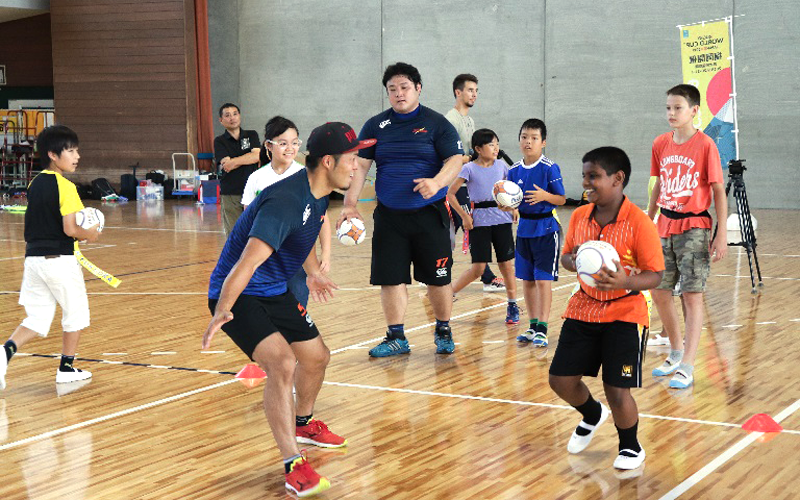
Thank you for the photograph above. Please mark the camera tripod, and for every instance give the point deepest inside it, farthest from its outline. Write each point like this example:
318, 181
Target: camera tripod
736, 170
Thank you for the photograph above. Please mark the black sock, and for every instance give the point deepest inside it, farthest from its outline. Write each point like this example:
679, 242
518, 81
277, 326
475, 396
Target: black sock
442, 324
396, 332
287, 464
66, 364
11, 349
541, 327
488, 276
628, 439
591, 412
301, 421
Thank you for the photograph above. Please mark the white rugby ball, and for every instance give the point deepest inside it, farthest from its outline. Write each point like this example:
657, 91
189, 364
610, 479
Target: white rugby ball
352, 232
591, 257
89, 217
507, 194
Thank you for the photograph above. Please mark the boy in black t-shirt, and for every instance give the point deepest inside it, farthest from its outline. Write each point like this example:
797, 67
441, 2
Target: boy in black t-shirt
52, 273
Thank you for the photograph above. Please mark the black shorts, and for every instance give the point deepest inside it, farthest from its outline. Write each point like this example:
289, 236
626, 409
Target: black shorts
619, 347
256, 318
421, 237
481, 240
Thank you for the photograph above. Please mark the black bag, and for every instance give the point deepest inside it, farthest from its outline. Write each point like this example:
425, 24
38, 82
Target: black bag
128, 184
102, 188
85, 191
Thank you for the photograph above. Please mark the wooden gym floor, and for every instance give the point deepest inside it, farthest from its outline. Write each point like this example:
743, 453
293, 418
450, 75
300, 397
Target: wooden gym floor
480, 424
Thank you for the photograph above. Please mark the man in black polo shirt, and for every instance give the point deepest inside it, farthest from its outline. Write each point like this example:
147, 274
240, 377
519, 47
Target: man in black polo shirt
236, 154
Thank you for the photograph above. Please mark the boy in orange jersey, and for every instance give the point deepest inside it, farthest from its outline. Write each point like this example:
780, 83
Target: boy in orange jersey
607, 325
688, 167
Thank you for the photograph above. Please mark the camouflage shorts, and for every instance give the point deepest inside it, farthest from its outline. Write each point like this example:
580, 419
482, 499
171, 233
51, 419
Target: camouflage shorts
686, 259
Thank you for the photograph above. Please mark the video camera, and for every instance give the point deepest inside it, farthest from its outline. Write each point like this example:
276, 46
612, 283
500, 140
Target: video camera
736, 168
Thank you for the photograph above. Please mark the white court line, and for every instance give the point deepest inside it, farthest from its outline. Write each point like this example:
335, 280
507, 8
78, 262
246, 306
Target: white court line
427, 325
698, 476
93, 421
163, 353
529, 403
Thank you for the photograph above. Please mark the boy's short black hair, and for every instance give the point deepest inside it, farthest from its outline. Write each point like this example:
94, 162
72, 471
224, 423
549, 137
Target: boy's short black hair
55, 139
534, 124
402, 69
689, 92
276, 126
482, 137
312, 162
461, 80
228, 105
610, 159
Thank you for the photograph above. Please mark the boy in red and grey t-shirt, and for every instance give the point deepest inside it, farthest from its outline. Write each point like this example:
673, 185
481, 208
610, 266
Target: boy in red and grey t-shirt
689, 172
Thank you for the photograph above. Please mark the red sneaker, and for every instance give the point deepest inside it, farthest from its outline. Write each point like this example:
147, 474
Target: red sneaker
303, 480
317, 433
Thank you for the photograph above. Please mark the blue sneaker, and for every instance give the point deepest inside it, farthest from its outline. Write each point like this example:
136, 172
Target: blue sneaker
512, 314
527, 336
540, 339
444, 341
390, 347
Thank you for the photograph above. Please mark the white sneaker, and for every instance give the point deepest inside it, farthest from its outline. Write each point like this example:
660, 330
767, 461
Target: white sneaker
629, 459
497, 285
67, 377
681, 380
667, 368
658, 340
70, 387
3, 369
579, 443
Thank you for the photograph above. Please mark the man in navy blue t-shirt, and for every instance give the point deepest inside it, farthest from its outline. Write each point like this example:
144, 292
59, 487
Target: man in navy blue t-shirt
418, 155
248, 296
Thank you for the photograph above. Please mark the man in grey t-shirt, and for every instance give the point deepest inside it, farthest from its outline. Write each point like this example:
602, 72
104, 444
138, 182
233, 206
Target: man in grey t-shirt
465, 90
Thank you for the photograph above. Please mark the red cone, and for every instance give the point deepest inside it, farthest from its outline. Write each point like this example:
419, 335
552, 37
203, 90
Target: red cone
761, 422
251, 371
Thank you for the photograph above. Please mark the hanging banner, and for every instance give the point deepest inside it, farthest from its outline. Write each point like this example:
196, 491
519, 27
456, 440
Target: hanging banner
705, 59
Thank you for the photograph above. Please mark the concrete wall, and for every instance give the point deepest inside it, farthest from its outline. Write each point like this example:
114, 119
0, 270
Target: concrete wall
596, 72
223, 53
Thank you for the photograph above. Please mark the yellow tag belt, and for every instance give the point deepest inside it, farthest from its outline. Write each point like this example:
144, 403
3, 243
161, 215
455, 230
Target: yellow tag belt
104, 276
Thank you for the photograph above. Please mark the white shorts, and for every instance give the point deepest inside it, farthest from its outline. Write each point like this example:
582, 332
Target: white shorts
48, 281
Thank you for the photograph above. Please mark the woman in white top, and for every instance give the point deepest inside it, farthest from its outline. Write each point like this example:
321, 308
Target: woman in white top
281, 145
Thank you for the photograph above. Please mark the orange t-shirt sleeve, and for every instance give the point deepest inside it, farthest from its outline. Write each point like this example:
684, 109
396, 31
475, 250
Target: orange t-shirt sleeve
655, 167
713, 163
569, 239
649, 256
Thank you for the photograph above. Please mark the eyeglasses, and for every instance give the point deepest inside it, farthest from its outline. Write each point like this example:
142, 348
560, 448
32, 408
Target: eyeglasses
283, 144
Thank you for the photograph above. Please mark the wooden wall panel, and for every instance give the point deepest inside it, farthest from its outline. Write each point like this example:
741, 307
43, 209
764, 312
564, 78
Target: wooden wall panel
124, 79
25, 51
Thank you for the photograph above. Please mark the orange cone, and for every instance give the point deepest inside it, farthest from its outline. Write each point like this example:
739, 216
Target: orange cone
251, 371
761, 422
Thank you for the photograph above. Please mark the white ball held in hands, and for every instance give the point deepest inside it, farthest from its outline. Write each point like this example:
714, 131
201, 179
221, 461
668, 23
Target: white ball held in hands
591, 257
351, 232
507, 194
89, 217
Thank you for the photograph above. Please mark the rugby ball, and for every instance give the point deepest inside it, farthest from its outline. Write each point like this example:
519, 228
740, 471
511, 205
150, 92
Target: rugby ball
507, 194
591, 257
89, 217
351, 232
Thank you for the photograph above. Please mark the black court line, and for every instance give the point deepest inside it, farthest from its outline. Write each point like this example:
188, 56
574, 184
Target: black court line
128, 363
158, 269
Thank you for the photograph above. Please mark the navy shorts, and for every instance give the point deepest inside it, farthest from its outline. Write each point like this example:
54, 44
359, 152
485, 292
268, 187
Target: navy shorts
537, 258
